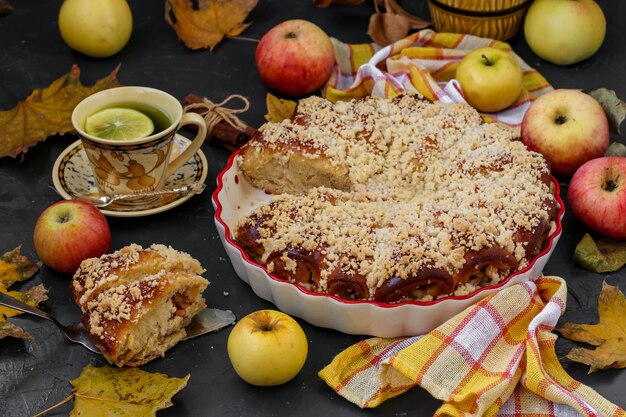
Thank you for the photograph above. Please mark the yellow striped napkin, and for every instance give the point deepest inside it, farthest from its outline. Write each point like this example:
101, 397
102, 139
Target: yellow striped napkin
495, 358
424, 62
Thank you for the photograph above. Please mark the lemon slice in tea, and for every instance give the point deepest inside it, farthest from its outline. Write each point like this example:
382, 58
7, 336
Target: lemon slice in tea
119, 123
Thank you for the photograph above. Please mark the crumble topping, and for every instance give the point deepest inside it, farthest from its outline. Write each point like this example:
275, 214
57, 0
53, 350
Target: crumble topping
430, 184
112, 286
96, 274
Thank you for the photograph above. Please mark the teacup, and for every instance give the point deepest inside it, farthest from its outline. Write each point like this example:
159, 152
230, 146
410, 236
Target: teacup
138, 165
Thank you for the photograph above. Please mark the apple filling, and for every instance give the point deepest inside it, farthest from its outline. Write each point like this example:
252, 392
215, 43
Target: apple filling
161, 326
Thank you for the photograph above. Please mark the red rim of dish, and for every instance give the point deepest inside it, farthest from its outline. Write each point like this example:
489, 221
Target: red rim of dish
246, 258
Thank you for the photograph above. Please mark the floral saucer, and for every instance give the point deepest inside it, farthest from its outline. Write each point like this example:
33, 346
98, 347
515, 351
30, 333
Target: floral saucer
72, 176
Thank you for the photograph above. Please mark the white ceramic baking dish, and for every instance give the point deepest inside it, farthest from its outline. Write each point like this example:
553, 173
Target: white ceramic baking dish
235, 197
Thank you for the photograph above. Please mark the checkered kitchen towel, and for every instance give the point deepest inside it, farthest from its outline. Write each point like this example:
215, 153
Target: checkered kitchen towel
424, 62
495, 358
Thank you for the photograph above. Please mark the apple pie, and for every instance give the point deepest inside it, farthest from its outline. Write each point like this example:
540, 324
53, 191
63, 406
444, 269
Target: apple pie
136, 302
394, 199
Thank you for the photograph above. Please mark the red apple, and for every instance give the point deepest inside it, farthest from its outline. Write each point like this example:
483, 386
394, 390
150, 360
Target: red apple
568, 127
295, 58
597, 195
68, 232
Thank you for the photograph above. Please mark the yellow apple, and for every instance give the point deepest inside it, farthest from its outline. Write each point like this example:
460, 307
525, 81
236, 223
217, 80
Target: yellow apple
491, 79
564, 31
267, 348
98, 28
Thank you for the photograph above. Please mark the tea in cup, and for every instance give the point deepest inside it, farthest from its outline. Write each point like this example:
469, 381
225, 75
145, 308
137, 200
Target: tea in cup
128, 133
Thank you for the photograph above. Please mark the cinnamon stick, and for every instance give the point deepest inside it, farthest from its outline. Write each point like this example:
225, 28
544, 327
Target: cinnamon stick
223, 134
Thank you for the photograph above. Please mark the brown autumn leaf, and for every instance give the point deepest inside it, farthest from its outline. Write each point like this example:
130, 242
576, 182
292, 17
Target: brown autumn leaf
394, 24
121, 392
609, 334
206, 25
15, 267
416, 22
386, 28
46, 112
278, 109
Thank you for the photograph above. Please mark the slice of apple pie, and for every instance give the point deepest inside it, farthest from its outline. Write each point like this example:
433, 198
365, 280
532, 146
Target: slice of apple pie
136, 302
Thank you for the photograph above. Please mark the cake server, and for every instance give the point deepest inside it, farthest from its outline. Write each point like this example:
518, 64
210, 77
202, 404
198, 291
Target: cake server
208, 320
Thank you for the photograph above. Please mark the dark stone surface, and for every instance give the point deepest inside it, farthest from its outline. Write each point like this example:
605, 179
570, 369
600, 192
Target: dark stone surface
34, 374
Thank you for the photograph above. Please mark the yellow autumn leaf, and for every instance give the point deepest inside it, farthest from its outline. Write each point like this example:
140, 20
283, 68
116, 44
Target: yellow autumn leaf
15, 267
609, 334
121, 392
205, 23
46, 112
278, 109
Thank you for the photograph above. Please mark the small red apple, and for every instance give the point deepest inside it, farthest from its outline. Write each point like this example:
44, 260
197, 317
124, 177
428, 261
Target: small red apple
568, 127
295, 58
597, 195
68, 232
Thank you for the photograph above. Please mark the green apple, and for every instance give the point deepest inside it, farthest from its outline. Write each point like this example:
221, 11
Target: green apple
491, 79
564, 31
267, 348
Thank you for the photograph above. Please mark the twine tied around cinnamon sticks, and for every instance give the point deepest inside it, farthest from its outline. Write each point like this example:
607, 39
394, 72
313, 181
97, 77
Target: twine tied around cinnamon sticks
214, 113
222, 122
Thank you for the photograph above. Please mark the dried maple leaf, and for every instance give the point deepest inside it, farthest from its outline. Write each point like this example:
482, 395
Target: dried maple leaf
278, 109
204, 23
605, 255
609, 334
46, 112
121, 392
614, 108
15, 267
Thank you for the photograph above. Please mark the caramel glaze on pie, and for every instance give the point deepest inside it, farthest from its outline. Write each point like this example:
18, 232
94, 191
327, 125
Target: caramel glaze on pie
394, 199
